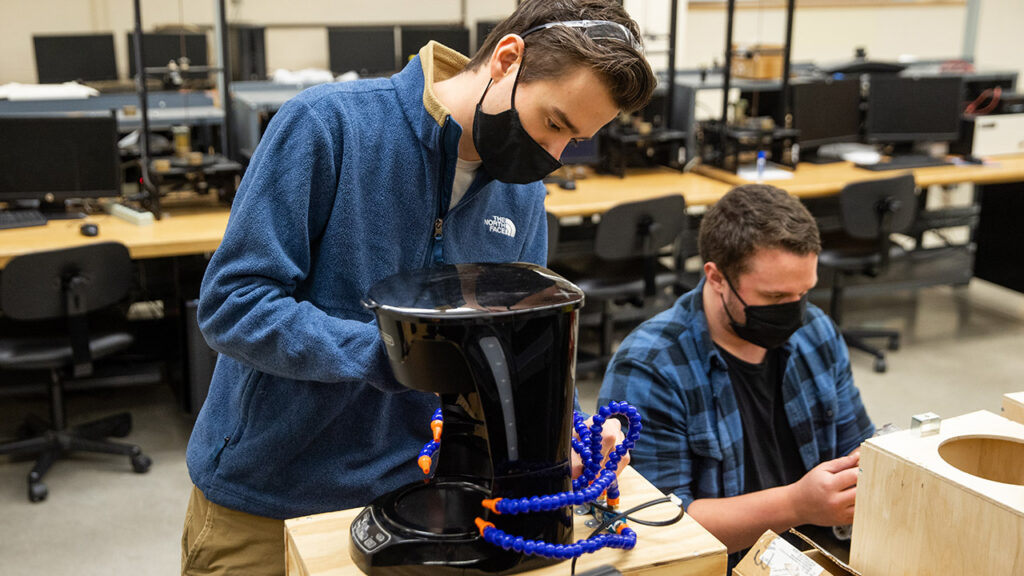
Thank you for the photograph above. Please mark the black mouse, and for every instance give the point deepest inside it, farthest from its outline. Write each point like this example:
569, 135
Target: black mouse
567, 184
89, 229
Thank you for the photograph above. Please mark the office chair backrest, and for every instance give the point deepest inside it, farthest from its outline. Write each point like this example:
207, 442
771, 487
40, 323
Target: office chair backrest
68, 282
877, 208
640, 229
552, 235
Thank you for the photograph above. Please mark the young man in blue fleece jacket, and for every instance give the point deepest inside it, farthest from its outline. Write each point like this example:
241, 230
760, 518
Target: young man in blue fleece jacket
350, 184
750, 412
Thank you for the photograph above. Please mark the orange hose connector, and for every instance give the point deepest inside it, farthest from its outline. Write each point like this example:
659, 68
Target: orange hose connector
424, 462
491, 504
481, 524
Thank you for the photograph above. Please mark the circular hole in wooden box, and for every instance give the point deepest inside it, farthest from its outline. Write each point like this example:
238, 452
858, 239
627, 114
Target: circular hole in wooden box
990, 457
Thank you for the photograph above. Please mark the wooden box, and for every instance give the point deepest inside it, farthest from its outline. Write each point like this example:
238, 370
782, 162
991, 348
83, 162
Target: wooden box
757, 62
318, 545
1013, 406
947, 503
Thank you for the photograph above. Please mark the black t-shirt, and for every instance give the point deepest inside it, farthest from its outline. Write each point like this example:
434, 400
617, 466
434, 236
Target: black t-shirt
770, 454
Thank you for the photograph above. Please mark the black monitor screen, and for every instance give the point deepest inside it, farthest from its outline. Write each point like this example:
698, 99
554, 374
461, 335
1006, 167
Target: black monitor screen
66, 156
85, 57
369, 50
826, 112
416, 37
582, 152
159, 49
483, 28
904, 109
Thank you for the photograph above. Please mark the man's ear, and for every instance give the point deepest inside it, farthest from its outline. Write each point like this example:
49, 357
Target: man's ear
506, 57
715, 278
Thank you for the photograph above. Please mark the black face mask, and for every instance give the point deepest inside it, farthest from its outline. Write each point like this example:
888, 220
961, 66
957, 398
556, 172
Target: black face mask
768, 326
508, 152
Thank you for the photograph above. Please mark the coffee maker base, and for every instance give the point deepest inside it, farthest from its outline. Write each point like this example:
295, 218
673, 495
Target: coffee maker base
428, 528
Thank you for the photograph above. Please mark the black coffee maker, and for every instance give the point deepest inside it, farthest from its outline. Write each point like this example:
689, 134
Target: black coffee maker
497, 343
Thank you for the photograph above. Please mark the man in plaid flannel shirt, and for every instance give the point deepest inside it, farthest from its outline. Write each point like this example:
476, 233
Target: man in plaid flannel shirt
749, 409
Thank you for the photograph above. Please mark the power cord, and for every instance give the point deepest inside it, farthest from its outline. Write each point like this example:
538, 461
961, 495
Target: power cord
612, 516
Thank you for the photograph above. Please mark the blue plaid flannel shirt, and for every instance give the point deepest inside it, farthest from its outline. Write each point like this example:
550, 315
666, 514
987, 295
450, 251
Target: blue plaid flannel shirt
692, 441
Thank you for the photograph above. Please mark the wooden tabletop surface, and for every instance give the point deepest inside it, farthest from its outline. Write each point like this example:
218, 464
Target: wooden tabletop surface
196, 225
813, 180
318, 545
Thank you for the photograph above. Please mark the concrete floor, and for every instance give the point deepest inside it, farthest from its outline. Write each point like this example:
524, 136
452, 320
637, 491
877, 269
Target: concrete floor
962, 349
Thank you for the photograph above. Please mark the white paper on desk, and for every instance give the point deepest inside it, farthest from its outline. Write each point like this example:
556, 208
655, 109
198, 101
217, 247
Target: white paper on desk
304, 77
66, 91
771, 172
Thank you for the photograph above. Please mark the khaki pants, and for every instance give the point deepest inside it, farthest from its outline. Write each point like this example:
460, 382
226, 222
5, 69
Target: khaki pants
219, 541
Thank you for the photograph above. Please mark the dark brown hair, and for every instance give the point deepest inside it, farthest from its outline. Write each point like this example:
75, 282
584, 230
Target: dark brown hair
557, 50
751, 217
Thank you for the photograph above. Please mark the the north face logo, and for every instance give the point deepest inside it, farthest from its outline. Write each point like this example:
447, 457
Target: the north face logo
501, 225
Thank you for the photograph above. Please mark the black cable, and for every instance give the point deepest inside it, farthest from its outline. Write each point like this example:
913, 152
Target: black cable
679, 517
619, 516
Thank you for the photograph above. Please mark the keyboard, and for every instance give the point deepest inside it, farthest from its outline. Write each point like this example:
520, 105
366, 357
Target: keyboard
905, 163
21, 219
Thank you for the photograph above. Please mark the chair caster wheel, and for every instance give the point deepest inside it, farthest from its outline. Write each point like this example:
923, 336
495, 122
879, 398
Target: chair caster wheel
141, 463
880, 365
894, 344
37, 491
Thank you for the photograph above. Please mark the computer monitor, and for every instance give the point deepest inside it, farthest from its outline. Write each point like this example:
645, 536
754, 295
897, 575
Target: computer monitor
53, 158
905, 109
160, 48
415, 37
582, 152
85, 57
483, 28
826, 112
369, 50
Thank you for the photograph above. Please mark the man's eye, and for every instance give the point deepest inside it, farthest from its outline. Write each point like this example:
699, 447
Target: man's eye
553, 126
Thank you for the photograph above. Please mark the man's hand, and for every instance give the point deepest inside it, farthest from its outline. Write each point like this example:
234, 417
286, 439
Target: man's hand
825, 495
611, 436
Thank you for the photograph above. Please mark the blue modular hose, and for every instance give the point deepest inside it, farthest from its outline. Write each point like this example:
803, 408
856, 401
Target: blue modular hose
596, 479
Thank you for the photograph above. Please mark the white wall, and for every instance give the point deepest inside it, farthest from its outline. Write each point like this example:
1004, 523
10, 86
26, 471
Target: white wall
832, 34
821, 34
1000, 43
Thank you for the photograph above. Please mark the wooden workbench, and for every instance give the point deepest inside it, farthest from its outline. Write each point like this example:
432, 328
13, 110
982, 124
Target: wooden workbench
318, 545
188, 227
597, 193
196, 226
815, 180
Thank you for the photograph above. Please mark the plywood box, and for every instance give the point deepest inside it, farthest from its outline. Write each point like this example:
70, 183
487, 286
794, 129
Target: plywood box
1013, 406
947, 503
318, 545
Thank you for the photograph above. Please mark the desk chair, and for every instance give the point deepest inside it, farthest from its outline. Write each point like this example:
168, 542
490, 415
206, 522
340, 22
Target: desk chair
869, 212
624, 267
553, 231
65, 286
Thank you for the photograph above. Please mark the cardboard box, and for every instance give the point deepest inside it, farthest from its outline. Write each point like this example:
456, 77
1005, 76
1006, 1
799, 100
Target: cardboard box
772, 555
757, 62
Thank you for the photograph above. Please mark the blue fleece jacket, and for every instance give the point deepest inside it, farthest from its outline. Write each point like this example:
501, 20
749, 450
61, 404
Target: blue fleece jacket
350, 184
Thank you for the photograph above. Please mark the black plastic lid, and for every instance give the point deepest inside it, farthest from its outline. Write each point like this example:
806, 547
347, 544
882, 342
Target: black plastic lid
473, 290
